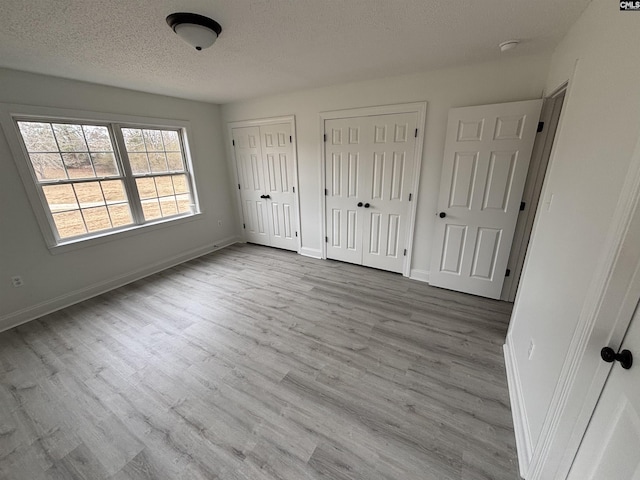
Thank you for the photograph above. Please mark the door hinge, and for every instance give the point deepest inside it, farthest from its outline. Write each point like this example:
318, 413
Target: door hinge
416, 133
523, 205
290, 139
540, 126
244, 225
507, 273
410, 196
405, 252
233, 142
326, 192
325, 137
326, 239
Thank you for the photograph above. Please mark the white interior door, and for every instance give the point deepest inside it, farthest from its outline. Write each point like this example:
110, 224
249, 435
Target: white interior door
388, 181
369, 168
280, 175
610, 448
345, 157
486, 158
250, 167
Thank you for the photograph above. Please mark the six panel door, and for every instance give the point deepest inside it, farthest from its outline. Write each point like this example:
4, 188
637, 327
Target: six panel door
279, 170
344, 179
486, 158
252, 186
387, 183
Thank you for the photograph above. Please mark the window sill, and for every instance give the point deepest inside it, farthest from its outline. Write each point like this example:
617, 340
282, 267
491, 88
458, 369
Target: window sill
105, 237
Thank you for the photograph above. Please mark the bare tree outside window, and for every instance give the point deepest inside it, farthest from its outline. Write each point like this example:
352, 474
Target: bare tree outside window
78, 171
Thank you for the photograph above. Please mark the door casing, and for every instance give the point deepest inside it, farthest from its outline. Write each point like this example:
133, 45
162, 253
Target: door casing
417, 107
538, 168
291, 120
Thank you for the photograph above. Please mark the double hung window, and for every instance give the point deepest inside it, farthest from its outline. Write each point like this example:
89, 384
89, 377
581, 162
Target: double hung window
97, 178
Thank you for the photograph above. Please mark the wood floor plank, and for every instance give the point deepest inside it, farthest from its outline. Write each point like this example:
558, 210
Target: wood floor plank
257, 363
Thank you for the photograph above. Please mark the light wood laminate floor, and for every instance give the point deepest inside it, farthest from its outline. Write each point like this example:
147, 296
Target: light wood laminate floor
256, 363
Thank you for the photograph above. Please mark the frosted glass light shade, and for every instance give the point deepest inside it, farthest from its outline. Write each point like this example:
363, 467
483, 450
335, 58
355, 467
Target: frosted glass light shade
197, 30
197, 36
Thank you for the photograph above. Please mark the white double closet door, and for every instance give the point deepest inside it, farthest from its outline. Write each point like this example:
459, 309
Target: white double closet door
369, 171
266, 178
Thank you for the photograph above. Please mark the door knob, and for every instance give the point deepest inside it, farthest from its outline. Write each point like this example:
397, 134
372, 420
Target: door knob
366, 205
624, 357
265, 196
359, 204
442, 214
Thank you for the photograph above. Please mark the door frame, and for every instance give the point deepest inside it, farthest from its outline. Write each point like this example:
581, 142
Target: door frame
606, 314
536, 174
291, 120
416, 107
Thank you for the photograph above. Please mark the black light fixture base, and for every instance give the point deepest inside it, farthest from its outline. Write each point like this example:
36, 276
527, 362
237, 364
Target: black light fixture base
179, 18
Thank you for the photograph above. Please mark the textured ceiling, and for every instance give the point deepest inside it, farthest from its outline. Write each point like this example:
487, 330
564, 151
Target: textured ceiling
268, 46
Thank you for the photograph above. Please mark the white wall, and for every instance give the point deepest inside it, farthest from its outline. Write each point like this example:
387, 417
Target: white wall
508, 80
55, 278
598, 131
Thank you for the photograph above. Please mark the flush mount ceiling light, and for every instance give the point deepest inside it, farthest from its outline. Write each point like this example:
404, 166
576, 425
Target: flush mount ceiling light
198, 31
508, 45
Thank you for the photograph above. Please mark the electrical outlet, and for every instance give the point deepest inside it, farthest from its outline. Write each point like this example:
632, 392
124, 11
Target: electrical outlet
532, 347
17, 282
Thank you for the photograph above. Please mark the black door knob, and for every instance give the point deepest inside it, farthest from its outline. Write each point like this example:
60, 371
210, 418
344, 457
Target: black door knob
442, 214
366, 205
265, 196
359, 204
624, 357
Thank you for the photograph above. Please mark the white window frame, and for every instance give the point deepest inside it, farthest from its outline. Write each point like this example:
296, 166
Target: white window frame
10, 114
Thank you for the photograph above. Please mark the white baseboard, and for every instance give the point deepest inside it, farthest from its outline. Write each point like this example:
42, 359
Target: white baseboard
27, 314
420, 275
520, 421
310, 252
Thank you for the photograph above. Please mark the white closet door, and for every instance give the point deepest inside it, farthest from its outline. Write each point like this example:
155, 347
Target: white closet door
252, 184
279, 172
609, 449
389, 177
345, 157
369, 167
